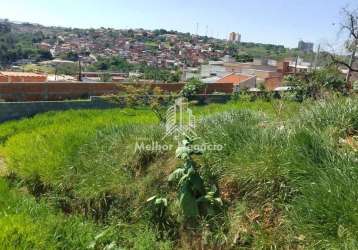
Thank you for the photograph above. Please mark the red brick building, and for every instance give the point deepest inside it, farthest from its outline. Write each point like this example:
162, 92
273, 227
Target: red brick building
13, 77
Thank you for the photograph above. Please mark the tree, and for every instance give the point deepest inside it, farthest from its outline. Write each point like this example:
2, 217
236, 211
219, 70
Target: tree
174, 77
67, 69
71, 56
37, 37
191, 88
105, 77
137, 95
314, 84
349, 25
244, 57
45, 55
5, 27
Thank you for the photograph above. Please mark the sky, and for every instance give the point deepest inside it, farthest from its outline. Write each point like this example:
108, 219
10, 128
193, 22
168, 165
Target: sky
268, 21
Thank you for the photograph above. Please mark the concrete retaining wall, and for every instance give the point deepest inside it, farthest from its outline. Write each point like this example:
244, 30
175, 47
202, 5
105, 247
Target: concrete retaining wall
17, 110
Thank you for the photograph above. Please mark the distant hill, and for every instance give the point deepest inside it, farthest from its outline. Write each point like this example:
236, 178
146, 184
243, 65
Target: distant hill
22, 42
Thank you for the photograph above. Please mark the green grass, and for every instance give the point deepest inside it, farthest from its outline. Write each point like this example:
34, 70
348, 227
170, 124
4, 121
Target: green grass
287, 177
151, 44
28, 224
38, 68
275, 108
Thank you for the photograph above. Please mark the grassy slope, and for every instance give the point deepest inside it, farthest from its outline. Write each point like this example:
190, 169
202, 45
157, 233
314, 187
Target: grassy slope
285, 178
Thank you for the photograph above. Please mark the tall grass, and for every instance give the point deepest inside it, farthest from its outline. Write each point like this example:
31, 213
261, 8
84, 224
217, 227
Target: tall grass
54, 144
286, 175
27, 224
296, 170
326, 173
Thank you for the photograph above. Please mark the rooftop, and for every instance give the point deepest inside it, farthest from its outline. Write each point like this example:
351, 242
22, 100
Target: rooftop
234, 78
23, 74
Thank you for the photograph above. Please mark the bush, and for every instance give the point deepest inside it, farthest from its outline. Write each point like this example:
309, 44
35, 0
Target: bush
191, 88
314, 84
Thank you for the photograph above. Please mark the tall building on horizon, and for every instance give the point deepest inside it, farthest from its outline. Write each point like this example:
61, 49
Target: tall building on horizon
238, 37
305, 46
234, 37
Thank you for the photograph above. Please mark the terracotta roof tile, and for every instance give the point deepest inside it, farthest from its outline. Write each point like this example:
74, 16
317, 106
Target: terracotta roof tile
233, 78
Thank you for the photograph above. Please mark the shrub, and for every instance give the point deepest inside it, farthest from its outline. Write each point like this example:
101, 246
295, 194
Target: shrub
193, 198
314, 84
191, 88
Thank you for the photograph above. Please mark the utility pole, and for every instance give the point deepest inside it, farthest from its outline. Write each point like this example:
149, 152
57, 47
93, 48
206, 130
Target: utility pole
79, 69
197, 29
317, 56
296, 64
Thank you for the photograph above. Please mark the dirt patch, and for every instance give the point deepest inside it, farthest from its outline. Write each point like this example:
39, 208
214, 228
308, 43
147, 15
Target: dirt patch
229, 189
351, 141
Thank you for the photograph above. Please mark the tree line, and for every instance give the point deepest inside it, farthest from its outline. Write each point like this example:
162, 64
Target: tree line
14, 46
117, 64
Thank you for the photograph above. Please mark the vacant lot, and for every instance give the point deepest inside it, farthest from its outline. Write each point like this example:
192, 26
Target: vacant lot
288, 177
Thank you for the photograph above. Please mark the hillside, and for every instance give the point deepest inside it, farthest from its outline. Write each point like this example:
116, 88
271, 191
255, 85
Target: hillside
287, 176
26, 43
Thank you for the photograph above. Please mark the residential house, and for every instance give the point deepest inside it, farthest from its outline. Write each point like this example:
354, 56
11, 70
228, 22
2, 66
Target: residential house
239, 81
269, 75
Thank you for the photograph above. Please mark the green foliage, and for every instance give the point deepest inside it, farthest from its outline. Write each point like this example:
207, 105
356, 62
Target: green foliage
191, 88
28, 224
299, 167
113, 64
355, 85
51, 159
105, 77
14, 46
147, 240
36, 68
159, 214
71, 56
315, 84
287, 175
20, 232
117, 64
156, 73
244, 57
67, 69
139, 96
193, 198
61, 69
